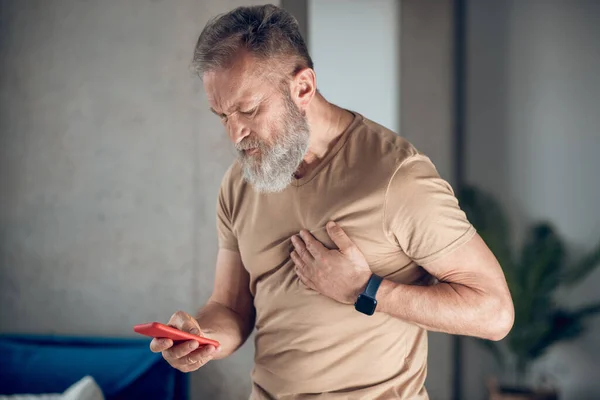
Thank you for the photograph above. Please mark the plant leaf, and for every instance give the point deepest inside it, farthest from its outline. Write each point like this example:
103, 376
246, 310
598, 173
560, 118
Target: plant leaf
540, 268
588, 310
532, 280
565, 325
526, 334
582, 268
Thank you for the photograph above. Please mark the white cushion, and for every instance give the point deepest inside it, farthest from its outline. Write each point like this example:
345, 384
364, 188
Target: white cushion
84, 389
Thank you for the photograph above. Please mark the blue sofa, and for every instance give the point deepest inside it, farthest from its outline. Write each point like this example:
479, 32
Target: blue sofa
123, 368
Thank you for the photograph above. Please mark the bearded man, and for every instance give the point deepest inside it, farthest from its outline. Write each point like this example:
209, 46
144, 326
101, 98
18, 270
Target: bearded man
338, 240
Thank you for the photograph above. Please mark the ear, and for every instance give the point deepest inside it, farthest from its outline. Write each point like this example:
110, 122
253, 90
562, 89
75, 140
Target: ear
304, 87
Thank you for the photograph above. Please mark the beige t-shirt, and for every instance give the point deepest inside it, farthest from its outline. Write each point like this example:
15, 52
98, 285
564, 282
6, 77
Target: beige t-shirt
392, 203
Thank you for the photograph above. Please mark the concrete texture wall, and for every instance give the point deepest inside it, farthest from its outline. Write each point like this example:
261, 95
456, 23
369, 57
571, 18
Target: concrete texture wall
533, 136
110, 163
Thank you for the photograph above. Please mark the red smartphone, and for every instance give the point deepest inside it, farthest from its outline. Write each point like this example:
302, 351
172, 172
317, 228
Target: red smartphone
158, 330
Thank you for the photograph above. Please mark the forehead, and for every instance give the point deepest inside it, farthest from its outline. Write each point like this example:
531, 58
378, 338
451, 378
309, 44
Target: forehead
243, 82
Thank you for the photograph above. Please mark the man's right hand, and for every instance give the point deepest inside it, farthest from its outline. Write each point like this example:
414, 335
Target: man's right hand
185, 356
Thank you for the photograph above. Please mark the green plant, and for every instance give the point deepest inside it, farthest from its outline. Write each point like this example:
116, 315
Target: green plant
534, 276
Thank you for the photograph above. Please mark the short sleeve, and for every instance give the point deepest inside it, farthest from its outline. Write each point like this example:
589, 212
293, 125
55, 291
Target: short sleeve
421, 212
225, 233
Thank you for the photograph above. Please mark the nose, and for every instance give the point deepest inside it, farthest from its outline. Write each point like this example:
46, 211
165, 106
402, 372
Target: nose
237, 131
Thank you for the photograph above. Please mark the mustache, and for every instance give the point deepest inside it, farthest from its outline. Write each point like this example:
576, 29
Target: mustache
249, 143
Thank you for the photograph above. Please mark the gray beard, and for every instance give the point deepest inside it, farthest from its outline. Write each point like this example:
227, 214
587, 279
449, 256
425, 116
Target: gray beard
272, 170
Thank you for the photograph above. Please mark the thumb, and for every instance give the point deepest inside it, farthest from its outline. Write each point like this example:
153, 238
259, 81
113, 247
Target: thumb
186, 323
191, 326
339, 237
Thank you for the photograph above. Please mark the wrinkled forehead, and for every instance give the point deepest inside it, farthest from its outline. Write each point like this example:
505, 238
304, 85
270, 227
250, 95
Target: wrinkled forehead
245, 81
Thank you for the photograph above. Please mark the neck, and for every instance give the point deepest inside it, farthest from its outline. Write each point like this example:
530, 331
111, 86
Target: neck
327, 122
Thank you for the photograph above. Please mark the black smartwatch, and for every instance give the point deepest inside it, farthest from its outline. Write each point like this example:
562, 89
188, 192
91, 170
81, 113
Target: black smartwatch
366, 302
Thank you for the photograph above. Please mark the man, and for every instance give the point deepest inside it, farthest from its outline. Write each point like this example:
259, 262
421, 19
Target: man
320, 205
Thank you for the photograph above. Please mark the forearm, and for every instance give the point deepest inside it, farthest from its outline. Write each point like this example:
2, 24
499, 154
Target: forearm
223, 324
444, 307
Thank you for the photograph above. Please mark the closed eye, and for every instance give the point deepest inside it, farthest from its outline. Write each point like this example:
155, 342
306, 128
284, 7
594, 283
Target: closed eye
249, 112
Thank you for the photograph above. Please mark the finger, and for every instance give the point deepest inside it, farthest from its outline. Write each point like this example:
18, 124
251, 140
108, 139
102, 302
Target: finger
299, 263
178, 319
191, 325
306, 282
301, 249
196, 359
339, 237
185, 322
160, 345
180, 350
203, 355
188, 367
301, 272
316, 248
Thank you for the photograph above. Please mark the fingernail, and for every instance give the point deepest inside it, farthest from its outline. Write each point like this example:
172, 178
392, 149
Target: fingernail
218, 350
330, 224
194, 331
193, 345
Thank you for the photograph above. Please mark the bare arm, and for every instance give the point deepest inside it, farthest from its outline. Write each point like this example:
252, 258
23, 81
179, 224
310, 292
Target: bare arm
229, 314
228, 317
472, 297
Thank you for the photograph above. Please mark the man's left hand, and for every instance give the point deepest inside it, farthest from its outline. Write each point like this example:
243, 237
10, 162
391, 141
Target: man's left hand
339, 274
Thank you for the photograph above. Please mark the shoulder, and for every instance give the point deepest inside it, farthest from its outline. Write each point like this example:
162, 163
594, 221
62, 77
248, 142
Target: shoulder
377, 145
233, 179
233, 185
377, 140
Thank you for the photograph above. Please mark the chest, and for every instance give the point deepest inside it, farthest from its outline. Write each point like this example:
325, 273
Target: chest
270, 221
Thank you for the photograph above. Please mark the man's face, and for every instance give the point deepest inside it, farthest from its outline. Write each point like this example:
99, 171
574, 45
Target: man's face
270, 133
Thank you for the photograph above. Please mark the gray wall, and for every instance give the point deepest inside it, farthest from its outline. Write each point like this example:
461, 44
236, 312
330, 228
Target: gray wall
299, 9
426, 79
110, 164
354, 45
426, 120
533, 139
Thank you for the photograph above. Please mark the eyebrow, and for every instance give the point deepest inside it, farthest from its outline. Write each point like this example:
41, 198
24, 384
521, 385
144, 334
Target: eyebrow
255, 103
212, 110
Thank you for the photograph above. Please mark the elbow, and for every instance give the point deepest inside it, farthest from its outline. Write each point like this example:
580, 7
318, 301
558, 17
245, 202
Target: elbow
499, 319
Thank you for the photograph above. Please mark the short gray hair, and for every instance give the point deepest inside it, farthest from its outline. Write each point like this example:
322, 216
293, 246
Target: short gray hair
267, 32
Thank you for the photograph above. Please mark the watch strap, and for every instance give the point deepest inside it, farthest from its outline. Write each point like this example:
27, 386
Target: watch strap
372, 286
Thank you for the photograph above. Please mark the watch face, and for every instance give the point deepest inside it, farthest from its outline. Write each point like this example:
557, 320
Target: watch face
365, 304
